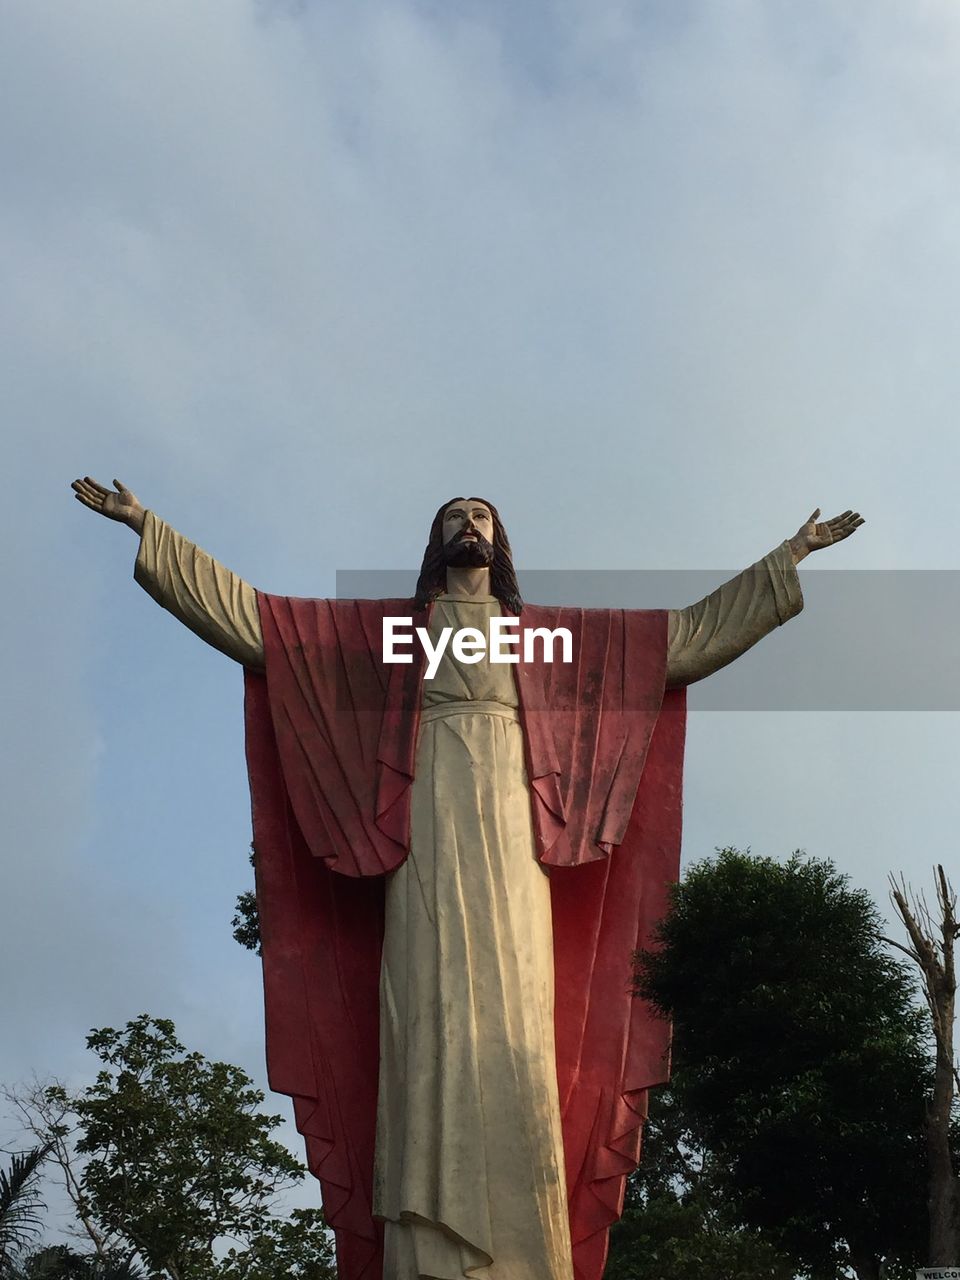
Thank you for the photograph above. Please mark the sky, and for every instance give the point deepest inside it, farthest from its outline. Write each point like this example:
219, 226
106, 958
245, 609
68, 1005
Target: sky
656, 278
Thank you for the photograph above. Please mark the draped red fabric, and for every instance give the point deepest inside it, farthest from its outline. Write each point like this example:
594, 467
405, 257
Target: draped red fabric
331, 741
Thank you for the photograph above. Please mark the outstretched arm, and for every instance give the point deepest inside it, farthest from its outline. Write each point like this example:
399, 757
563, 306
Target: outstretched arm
714, 632
214, 603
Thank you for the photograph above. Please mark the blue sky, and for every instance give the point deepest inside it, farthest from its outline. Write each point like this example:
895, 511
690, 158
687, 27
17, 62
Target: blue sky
656, 279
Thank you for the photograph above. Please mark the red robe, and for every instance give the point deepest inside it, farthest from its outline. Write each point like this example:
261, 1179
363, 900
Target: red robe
331, 744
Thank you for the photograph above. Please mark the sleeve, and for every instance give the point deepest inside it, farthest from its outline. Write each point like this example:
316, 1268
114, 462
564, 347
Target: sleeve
214, 603
706, 636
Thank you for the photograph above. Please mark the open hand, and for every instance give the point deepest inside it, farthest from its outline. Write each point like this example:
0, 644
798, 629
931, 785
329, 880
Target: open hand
814, 536
122, 505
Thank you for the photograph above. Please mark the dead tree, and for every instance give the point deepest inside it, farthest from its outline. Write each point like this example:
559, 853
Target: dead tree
932, 941
44, 1111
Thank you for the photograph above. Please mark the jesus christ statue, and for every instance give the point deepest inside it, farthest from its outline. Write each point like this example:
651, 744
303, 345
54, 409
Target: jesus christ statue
453, 874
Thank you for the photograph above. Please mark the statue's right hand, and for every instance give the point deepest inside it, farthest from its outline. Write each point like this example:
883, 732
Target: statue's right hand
122, 505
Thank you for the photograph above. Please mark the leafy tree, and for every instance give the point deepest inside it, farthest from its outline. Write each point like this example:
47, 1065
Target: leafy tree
178, 1156
46, 1113
676, 1221
60, 1262
298, 1247
800, 1058
246, 917
20, 1205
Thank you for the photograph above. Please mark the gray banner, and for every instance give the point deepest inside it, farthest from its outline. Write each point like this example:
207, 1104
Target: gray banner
867, 640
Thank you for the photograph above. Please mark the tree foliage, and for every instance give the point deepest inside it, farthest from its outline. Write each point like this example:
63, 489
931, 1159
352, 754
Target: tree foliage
169, 1155
61, 1262
800, 1059
298, 1247
21, 1205
246, 917
676, 1221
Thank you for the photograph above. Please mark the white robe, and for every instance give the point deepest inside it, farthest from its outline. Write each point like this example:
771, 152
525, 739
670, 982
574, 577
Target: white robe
469, 1172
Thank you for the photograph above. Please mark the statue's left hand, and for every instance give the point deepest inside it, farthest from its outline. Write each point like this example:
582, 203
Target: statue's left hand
813, 536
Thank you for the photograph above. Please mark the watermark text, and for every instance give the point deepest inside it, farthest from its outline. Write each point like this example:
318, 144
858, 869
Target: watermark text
470, 645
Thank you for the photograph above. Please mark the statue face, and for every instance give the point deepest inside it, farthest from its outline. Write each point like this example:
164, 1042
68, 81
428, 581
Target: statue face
468, 535
468, 519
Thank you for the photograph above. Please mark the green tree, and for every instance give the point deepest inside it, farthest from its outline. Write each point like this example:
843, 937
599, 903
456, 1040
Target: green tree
177, 1157
20, 1205
246, 916
61, 1262
298, 1247
676, 1222
800, 1058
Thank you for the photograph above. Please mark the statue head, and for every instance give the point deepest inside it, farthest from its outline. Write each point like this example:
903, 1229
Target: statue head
467, 533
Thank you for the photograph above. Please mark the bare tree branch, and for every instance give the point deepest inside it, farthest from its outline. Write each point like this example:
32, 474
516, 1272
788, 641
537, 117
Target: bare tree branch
932, 942
907, 951
48, 1119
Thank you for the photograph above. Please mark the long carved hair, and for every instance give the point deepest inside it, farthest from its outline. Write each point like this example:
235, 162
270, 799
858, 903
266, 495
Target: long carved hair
433, 572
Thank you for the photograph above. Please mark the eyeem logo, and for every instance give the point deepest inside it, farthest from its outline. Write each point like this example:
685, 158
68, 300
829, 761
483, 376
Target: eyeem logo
469, 644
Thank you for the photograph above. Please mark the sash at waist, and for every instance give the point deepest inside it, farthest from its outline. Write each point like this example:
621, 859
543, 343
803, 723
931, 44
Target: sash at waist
441, 710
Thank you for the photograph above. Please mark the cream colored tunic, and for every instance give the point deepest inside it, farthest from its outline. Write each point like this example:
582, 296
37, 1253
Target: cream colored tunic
468, 1134
469, 1174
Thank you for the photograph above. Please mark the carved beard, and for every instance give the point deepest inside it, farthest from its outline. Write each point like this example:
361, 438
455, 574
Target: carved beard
464, 554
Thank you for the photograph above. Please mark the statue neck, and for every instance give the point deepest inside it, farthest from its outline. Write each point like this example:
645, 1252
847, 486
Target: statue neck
468, 582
